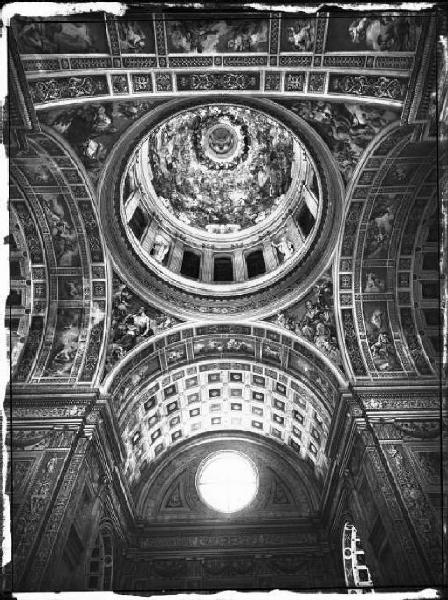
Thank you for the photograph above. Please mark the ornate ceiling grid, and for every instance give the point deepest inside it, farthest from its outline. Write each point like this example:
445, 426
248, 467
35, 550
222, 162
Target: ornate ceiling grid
285, 55
372, 282
69, 276
224, 396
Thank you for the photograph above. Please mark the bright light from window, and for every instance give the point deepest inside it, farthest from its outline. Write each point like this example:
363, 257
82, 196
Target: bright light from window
227, 481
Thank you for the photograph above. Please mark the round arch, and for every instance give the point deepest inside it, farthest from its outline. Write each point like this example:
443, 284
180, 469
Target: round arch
212, 378
53, 196
296, 475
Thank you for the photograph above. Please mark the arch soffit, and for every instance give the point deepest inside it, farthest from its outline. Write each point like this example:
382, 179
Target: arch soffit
72, 274
265, 332
392, 186
159, 404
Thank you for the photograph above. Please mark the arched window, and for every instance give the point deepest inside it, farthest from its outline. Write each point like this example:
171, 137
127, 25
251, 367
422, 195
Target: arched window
101, 563
357, 575
138, 223
191, 265
223, 269
305, 219
255, 264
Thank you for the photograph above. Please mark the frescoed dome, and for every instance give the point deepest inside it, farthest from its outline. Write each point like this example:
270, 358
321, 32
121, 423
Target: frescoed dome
222, 168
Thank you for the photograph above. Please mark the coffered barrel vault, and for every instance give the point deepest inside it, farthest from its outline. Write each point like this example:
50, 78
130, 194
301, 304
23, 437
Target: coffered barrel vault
224, 315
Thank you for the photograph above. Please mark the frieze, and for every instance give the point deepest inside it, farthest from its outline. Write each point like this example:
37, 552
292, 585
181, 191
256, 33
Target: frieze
344, 61
91, 63
218, 81
190, 61
295, 61
224, 541
245, 61
43, 412
41, 64
394, 62
40, 439
139, 62
47, 90
368, 85
394, 403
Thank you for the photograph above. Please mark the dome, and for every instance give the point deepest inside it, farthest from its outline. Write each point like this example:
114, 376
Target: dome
222, 168
231, 203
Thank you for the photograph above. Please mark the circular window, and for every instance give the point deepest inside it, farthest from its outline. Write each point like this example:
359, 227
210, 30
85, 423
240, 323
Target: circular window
227, 481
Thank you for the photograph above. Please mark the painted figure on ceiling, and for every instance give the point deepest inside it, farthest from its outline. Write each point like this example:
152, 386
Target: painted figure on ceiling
59, 37
217, 35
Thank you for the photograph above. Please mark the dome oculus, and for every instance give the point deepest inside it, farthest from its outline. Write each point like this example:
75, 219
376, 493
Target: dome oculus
227, 481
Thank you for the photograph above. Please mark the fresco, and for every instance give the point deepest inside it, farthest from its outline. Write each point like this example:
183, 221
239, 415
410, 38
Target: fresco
374, 280
65, 343
313, 319
62, 230
38, 174
61, 37
221, 165
219, 345
271, 352
133, 321
210, 36
388, 33
70, 288
379, 228
136, 37
92, 129
346, 128
298, 35
379, 337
